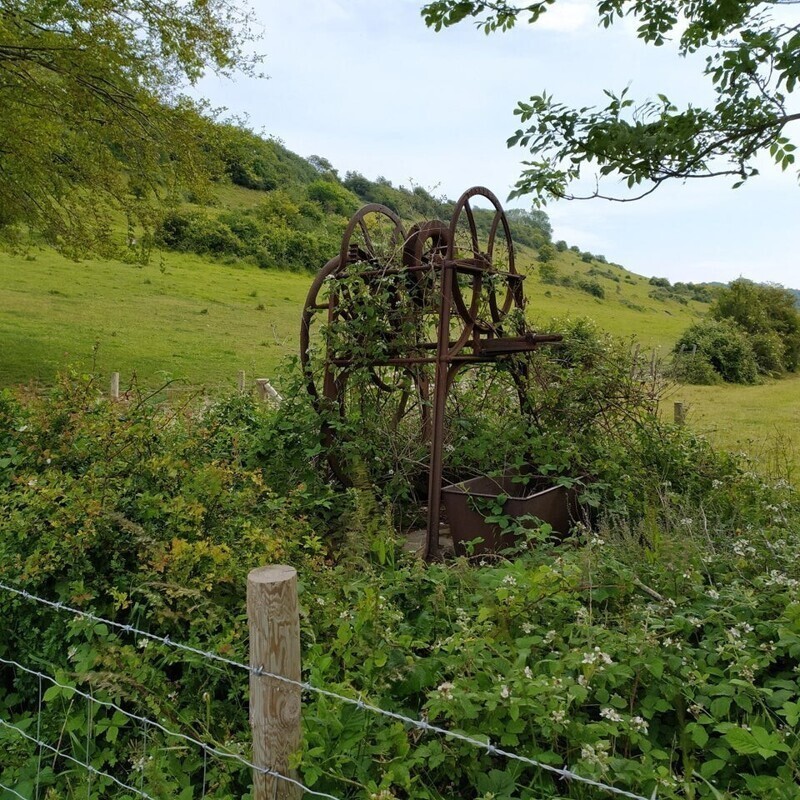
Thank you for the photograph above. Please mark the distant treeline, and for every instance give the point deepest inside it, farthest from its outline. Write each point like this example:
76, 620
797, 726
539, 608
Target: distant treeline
305, 206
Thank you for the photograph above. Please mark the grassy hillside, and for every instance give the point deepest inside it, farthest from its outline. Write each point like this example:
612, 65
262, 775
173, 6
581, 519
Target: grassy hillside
216, 296
193, 317
181, 316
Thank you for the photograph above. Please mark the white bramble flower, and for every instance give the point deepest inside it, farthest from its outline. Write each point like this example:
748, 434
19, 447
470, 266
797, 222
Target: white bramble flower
527, 628
510, 580
743, 548
639, 724
527, 672
596, 754
446, 690
713, 594
582, 680
559, 716
597, 656
550, 636
505, 692
611, 715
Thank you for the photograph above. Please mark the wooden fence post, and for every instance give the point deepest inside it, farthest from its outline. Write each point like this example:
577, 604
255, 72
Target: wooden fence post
266, 390
274, 624
679, 412
114, 391
240, 381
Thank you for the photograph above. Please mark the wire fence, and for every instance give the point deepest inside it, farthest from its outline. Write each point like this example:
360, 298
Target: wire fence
484, 744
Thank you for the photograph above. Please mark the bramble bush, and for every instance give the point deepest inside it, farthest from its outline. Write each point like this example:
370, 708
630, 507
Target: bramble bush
656, 651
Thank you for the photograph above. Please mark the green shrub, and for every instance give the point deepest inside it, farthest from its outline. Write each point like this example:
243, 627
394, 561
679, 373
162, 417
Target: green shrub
724, 346
548, 273
662, 282
759, 309
546, 253
592, 287
333, 197
769, 351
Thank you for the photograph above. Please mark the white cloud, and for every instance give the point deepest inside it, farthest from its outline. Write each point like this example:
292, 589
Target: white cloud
566, 17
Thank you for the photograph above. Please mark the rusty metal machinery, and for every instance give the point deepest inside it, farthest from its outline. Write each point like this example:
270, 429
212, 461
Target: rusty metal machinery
412, 309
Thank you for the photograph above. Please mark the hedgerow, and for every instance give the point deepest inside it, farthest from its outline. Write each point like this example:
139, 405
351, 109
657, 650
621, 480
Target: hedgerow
656, 650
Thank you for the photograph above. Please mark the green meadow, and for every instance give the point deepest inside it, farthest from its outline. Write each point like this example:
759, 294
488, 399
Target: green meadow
762, 420
180, 317
198, 321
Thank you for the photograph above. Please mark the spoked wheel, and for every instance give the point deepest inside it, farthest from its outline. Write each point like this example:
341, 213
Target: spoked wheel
385, 405
374, 237
486, 285
355, 309
317, 312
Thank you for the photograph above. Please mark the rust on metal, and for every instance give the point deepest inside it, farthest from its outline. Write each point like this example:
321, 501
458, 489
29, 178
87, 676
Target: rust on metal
446, 293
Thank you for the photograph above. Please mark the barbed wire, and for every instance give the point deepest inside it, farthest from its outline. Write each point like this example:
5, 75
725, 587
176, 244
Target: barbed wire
420, 724
99, 773
205, 746
12, 791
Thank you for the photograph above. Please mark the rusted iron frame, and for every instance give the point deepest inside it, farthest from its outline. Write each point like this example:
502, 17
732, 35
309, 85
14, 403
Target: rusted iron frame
477, 334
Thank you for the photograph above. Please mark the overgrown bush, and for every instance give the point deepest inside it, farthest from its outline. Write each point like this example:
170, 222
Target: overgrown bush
546, 253
592, 287
548, 273
655, 653
763, 309
723, 345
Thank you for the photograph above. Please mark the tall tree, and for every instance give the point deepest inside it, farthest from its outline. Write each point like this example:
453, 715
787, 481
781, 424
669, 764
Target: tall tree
93, 123
752, 52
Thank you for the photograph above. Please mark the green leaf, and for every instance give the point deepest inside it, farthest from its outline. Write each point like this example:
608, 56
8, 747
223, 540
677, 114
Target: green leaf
712, 767
698, 733
742, 741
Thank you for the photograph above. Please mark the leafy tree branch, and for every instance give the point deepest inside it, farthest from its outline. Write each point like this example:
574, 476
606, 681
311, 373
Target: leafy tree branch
94, 125
752, 62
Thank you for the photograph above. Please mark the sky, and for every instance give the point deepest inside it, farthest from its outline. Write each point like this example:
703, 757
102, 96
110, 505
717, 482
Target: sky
366, 85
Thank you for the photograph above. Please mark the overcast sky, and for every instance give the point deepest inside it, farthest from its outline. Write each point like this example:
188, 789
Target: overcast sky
365, 84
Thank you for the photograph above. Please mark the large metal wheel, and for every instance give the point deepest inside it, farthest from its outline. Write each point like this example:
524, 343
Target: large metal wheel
486, 284
346, 389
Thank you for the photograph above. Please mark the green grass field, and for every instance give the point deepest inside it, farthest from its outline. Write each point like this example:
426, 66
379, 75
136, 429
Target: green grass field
182, 317
201, 321
763, 420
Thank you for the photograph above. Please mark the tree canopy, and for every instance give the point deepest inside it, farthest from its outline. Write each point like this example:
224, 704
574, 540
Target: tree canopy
93, 122
752, 50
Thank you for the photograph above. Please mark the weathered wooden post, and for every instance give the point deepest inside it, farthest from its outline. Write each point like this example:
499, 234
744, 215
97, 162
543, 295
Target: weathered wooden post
240, 381
267, 390
274, 624
679, 413
114, 391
